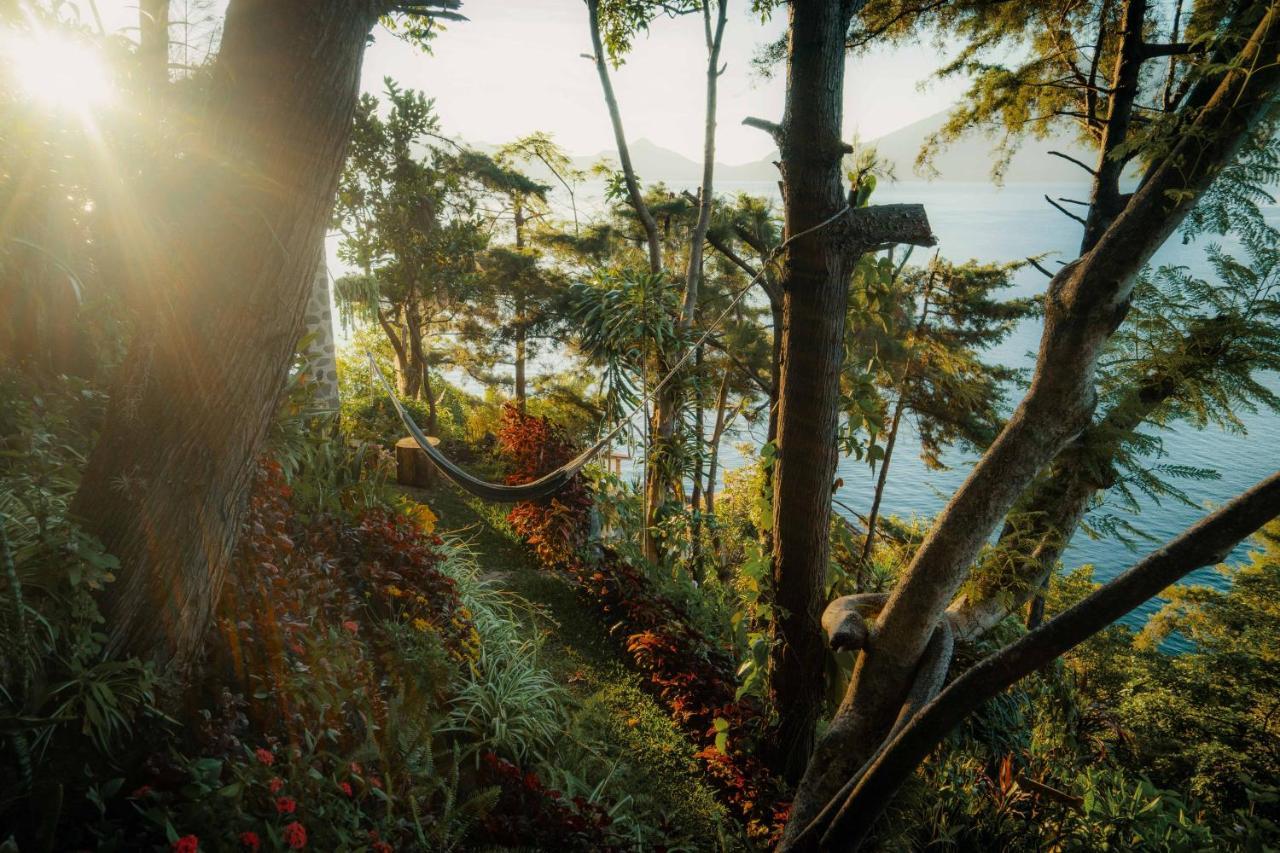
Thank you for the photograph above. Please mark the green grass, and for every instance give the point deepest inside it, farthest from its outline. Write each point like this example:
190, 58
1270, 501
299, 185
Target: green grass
630, 737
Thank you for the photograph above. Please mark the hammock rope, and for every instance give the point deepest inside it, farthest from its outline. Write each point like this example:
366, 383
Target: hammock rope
551, 483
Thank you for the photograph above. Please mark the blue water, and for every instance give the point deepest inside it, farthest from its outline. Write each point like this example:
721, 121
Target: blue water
1004, 224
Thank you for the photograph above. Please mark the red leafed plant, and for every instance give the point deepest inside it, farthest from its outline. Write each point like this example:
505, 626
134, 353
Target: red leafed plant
555, 528
301, 581
694, 679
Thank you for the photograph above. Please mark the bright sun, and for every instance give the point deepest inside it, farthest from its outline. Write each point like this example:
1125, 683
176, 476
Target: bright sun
56, 70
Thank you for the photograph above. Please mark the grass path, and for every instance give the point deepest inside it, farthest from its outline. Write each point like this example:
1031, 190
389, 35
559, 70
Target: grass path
642, 751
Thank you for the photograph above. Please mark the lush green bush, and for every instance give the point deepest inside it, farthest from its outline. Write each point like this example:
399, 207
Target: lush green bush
1206, 720
64, 705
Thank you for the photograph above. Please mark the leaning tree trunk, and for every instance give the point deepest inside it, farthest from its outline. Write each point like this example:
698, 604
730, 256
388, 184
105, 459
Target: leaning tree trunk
849, 817
166, 486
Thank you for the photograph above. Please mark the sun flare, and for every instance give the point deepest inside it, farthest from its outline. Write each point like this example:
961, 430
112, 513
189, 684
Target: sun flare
55, 70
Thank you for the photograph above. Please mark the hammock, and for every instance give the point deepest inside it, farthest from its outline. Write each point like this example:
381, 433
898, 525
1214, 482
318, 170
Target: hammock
549, 484
543, 487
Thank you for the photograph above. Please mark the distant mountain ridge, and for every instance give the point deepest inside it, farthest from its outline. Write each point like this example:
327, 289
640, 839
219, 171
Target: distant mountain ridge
967, 160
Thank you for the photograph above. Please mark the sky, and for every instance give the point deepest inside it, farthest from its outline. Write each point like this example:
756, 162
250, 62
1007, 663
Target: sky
516, 66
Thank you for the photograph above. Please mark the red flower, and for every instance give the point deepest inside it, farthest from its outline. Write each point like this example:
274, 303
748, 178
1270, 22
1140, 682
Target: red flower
186, 844
356, 768
139, 793
286, 805
275, 784
250, 841
265, 756
375, 781
380, 847
295, 835
352, 626
346, 788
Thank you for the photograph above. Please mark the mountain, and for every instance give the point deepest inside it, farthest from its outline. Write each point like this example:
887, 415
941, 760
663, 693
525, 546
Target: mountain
968, 160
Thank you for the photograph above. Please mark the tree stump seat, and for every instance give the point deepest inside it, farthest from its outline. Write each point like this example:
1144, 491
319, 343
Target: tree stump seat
413, 466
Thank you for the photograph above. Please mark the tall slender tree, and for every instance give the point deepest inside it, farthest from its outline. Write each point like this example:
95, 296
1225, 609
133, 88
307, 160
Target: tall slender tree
827, 233
612, 27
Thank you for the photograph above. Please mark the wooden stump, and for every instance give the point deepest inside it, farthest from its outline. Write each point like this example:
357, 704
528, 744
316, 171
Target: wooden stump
413, 466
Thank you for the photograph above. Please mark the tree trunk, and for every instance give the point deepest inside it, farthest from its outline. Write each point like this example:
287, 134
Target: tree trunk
153, 43
1057, 503
321, 351
404, 379
713, 472
521, 319
522, 391
815, 283
655, 485
695, 494
883, 478
417, 360
166, 486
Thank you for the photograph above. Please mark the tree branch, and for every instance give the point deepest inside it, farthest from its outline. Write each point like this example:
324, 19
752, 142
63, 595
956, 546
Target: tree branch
620, 138
1064, 211
867, 227
772, 128
1204, 544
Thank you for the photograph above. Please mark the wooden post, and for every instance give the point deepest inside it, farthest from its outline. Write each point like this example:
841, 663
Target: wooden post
413, 465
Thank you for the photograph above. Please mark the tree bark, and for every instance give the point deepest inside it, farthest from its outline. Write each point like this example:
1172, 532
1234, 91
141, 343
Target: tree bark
166, 486
1105, 199
403, 375
417, 358
882, 478
1086, 302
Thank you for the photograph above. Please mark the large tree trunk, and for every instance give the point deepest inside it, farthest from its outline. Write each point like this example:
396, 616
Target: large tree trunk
1086, 302
166, 486
815, 283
